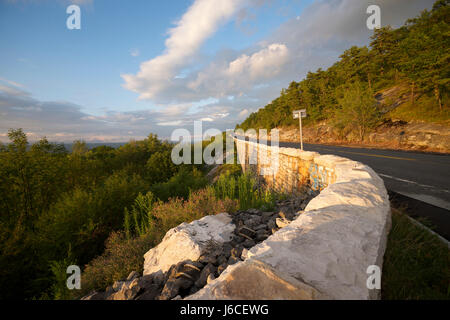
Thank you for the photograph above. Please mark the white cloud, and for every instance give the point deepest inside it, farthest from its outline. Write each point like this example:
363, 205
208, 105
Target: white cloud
242, 73
199, 22
170, 123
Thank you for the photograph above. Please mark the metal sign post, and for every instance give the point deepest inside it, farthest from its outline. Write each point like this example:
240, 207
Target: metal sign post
300, 114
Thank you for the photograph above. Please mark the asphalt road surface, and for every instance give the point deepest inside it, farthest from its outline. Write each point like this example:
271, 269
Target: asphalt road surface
420, 182
421, 176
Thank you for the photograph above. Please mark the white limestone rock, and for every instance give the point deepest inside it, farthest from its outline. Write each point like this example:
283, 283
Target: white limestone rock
254, 280
341, 233
188, 241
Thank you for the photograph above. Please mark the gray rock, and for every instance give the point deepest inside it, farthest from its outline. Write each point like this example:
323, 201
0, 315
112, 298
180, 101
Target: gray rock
150, 293
260, 227
266, 216
248, 243
233, 260
282, 222
261, 236
193, 289
146, 281
226, 250
236, 252
118, 285
221, 260
207, 270
173, 286
221, 268
271, 224
158, 278
133, 275
128, 292
210, 278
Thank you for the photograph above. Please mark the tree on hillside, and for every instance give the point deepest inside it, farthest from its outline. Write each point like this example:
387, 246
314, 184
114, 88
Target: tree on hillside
357, 108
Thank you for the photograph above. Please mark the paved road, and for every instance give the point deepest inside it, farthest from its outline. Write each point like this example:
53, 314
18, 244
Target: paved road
421, 176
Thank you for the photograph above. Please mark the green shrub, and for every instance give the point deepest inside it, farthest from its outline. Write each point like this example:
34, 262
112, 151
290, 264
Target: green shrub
123, 255
180, 185
120, 257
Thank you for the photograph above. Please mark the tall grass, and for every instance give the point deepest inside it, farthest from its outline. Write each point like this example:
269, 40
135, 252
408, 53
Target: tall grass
137, 220
246, 190
416, 263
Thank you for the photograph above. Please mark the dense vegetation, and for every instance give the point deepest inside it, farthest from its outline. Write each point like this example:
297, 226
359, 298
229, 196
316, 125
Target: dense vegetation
415, 56
58, 208
100, 209
148, 219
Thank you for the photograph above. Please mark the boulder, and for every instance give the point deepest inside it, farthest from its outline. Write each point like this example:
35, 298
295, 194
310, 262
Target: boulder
188, 241
207, 270
150, 293
128, 291
254, 280
133, 275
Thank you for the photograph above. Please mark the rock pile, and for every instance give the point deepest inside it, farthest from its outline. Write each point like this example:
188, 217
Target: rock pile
252, 226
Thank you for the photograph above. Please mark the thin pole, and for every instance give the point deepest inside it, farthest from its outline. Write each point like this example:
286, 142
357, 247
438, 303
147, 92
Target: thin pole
301, 133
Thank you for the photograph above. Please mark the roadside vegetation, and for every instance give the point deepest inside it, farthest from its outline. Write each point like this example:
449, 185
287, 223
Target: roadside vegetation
416, 263
59, 207
347, 95
148, 219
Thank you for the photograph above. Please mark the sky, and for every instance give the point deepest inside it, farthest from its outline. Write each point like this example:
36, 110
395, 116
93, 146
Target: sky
137, 67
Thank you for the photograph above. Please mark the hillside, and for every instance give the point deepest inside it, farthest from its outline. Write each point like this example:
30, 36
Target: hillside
400, 81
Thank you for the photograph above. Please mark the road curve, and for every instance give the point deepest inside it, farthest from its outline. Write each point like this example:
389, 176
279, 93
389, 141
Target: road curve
421, 176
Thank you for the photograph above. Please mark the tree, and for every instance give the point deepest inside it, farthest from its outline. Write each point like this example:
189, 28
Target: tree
358, 108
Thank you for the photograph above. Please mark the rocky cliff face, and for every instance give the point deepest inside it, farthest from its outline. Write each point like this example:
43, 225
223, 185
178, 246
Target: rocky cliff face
396, 135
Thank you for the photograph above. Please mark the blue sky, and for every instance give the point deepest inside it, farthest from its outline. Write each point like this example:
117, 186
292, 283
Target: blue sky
141, 66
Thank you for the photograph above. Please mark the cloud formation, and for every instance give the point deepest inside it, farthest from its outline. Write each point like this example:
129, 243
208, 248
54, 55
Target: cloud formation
63, 121
199, 22
314, 39
222, 90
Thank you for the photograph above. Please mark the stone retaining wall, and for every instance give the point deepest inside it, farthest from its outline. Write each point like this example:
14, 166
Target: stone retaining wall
325, 252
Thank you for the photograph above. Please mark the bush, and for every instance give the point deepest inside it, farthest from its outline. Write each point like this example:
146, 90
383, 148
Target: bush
180, 185
82, 220
123, 254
